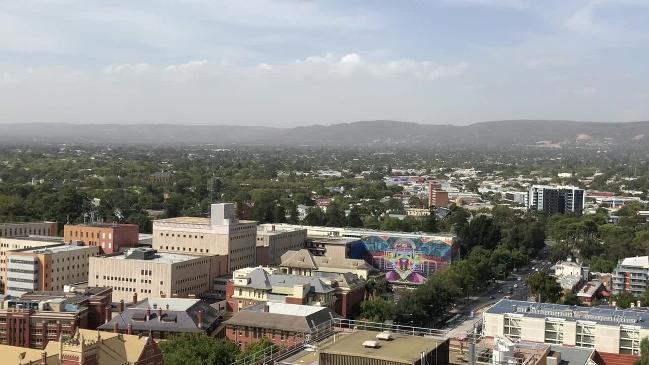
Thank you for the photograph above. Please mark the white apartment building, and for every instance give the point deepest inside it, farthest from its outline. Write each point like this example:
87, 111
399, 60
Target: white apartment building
616, 331
221, 234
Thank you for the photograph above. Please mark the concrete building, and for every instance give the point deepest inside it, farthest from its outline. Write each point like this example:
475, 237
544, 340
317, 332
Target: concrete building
273, 242
252, 286
36, 318
283, 324
518, 197
144, 273
607, 330
18, 243
556, 199
165, 317
632, 275
222, 234
109, 237
366, 348
438, 198
28, 229
46, 268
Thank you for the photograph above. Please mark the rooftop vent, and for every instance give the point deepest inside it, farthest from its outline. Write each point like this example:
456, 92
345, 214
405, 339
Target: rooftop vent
385, 336
371, 344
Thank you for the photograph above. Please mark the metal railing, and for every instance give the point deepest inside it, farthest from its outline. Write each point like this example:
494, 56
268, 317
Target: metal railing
273, 355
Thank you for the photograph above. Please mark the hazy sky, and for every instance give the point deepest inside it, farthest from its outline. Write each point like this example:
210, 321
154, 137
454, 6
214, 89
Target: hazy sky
289, 63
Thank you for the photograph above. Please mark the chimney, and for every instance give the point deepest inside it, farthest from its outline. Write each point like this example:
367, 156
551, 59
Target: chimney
108, 313
638, 304
115, 327
134, 298
273, 226
159, 314
129, 329
44, 358
200, 319
121, 305
148, 313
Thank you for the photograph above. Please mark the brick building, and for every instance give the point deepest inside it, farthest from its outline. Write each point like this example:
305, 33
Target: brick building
109, 237
36, 318
283, 324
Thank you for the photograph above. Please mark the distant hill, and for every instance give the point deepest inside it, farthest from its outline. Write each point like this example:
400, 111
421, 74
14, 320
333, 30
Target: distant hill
540, 133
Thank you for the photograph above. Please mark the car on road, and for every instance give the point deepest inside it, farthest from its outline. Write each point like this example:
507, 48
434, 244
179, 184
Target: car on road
524, 284
500, 291
492, 297
515, 286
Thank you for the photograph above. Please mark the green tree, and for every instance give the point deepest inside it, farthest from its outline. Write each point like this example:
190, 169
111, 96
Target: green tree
601, 264
198, 349
570, 299
644, 352
256, 350
545, 286
354, 218
315, 217
430, 222
377, 310
624, 299
334, 216
481, 231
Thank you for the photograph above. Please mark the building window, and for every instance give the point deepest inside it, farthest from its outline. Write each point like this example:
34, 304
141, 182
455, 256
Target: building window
513, 325
630, 340
585, 334
554, 331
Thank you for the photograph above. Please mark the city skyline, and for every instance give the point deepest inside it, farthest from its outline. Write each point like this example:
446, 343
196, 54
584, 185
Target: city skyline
293, 63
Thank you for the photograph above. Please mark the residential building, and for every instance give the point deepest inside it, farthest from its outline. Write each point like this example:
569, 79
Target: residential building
570, 268
303, 262
349, 292
369, 348
519, 197
438, 198
28, 229
109, 237
221, 234
273, 242
86, 347
556, 199
590, 292
417, 212
607, 330
283, 324
632, 275
36, 318
165, 317
18, 243
46, 268
252, 286
145, 273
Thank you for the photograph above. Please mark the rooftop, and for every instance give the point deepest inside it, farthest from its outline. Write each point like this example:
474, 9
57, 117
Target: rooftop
638, 261
199, 221
403, 348
103, 225
55, 249
158, 257
286, 317
45, 239
610, 316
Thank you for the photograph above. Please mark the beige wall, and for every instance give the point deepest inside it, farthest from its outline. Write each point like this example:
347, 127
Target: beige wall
279, 242
29, 228
533, 329
7, 244
236, 241
569, 333
67, 267
149, 278
493, 325
607, 338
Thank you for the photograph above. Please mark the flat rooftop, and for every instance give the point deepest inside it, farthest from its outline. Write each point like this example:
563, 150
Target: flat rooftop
608, 316
55, 249
403, 348
159, 257
102, 225
200, 221
46, 239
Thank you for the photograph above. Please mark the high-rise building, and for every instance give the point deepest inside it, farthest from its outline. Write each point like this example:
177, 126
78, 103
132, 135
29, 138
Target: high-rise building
632, 275
221, 234
556, 199
46, 268
274, 241
436, 196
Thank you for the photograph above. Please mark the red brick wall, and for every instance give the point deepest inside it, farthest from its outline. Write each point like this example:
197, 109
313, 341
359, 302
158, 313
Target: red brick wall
262, 256
125, 235
292, 300
347, 305
238, 336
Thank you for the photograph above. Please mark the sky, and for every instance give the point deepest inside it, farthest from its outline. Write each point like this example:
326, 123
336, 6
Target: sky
288, 63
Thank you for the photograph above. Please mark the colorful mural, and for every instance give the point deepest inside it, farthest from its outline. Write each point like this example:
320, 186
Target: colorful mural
409, 259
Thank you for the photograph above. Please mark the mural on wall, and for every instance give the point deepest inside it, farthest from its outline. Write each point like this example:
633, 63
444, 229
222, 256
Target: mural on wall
409, 260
